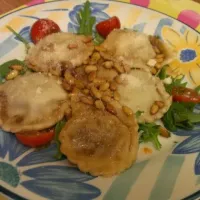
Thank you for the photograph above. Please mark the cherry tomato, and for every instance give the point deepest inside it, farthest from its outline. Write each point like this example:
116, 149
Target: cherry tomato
42, 28
182, 94
35, 138
105, 27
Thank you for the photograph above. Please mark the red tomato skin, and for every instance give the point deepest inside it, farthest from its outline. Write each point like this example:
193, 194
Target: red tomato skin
35, 139
105, 27
187, 95
42, 28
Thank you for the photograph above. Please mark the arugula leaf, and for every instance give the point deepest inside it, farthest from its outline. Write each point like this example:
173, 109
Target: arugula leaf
149, 133
86, 20
5, 68
26, 43
180, 115
176, 82
58, 128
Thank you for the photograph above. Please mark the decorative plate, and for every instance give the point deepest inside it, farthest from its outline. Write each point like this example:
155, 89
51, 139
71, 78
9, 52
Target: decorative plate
172, 173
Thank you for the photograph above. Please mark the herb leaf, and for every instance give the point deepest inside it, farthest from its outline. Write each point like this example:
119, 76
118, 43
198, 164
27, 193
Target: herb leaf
163, 74
180, 115
58, 128
86, 20
138, 113
149, 133
98, 39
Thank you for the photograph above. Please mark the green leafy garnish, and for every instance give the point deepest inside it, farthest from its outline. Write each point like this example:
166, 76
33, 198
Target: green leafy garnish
149, 133
176, 82
5, 68
180, 115
26, 43
86, 20
138, 113
98, 39
197, 89
58, 128
163, 74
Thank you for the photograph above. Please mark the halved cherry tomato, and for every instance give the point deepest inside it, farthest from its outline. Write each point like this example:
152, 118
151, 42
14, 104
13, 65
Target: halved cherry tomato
35, 138
182, 94
105, 27
42, 28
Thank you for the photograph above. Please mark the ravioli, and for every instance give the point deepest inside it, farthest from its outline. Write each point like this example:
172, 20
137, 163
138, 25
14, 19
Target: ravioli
31, 102
59, 51
133, 48
98, 142
140, 90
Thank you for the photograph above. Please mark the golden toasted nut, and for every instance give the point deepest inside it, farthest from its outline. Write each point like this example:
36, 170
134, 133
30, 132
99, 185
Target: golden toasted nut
86, 91
110, 108
99, 105
160, 56
92, 76
116, 96
79, 84
95, 92
104, 86
100, 48
158, 66
154, 109
159, 60
164, 132
95, 57
66, 86
118, 79
98, 81
87, 100
12, 74
113, 86
106, 99
127, 110
127, 69
108, 64
160, 104
86, 62
154, 71
90, 68
72, 46
69, 78
118, 68
16, 67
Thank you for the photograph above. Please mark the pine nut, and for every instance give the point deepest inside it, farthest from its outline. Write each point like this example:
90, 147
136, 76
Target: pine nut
164, 132
90, 68
118, 79
86, 91
95, 92
12, 74
128, 111
160, 56
79, 84
159, 60
87, 100
118, 68
66, 86
153, 71
92, 76
99, 105
154, 109
72, 46
113, 86
100, 48
108, 64
69, 78
157, 51
87, 40
116, 96
16, 67
106, 99
86, 62
160, 104
98, 82
127, 69
158, 66
110, 108
95, 58
75, 90
104, 86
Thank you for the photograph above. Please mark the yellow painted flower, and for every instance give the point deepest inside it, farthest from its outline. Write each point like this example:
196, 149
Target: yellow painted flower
187, 47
